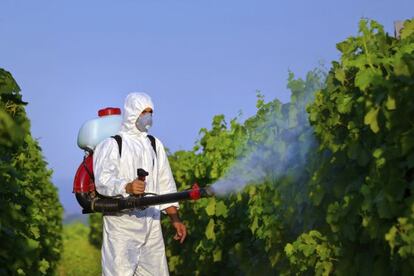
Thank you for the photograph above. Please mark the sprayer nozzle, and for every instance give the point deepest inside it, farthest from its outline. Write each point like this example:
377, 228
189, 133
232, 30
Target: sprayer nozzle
207, 192
196, 192
210, 191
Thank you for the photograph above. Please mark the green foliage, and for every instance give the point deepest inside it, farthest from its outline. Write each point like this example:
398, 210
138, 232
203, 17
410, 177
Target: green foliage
79, 257
364, 119
312, 250
401, 236
31, 215
247, 232
95, 233
12, 128
343, 204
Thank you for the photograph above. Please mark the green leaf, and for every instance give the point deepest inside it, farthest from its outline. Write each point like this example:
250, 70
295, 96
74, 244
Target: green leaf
35, 231
380, 162
408, 29
32, 244
211, 207
217, 255
340, 75
371, 119
390, 104
366, 77
344, 104
43, 266
221, 209
289, 249
307, 249
390, 237
377, 153
255, 224
210, 234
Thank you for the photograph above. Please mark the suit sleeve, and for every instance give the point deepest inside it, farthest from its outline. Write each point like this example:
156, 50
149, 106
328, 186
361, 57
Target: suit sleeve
165, 177
106, 167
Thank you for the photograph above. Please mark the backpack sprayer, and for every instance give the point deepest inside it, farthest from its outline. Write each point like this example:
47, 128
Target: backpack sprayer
90, 134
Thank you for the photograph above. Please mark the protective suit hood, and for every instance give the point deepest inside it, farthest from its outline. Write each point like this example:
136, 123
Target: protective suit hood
135, 103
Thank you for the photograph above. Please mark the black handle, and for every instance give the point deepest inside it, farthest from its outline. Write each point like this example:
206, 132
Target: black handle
142, 174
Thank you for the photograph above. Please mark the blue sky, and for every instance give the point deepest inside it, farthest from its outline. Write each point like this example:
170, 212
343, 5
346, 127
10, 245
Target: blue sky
195, 58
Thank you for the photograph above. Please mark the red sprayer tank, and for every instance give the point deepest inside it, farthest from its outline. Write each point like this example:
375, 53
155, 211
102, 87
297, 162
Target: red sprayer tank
83, 182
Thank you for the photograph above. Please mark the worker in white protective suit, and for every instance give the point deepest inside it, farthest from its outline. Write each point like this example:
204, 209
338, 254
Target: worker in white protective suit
132, 240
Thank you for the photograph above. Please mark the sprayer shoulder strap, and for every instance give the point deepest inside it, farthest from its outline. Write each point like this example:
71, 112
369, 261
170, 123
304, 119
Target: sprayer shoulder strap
153, 144
118, 140
88, 171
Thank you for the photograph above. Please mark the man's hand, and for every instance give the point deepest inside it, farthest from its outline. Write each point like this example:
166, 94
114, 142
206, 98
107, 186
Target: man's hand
181, 230
136, 187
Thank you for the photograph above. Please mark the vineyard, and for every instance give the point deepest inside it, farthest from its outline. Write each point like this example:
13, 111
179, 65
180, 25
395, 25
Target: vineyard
336, 197
31, 214
321, 185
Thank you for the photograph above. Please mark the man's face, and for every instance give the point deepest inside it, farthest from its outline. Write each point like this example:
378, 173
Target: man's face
146, 111
144, 121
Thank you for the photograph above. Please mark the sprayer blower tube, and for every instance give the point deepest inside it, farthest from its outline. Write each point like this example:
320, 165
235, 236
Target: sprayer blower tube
91, 201
107, 205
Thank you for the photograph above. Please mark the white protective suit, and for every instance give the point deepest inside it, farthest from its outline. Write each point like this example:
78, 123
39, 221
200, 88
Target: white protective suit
132, 240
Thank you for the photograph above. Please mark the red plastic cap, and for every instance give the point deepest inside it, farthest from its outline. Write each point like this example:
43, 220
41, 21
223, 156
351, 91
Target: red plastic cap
195, 192
109, 111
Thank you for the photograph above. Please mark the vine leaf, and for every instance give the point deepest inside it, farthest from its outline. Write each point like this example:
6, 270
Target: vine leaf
371, 119
210, 234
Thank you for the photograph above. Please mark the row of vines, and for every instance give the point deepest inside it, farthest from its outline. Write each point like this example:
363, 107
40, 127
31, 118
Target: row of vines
345, 206
30, 211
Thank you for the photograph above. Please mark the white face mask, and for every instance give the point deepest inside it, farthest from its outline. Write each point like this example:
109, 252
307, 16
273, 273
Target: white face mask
144, 122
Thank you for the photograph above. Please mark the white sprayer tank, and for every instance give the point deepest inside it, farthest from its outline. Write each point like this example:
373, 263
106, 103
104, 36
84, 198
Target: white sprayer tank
96, 130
